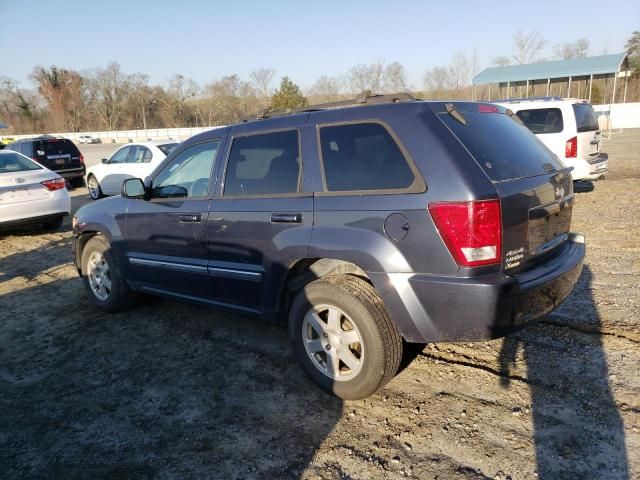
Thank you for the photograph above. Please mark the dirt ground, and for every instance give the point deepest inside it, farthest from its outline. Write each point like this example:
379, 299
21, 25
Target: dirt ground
169, 390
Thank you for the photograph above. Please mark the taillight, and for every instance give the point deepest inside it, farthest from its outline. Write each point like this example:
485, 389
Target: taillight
472, 231
81, 158
571, 148
55, 184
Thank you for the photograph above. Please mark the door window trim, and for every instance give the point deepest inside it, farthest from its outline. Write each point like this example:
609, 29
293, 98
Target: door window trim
417, 186
297, 193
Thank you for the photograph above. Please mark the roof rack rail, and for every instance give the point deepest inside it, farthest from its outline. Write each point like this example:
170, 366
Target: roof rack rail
364, 98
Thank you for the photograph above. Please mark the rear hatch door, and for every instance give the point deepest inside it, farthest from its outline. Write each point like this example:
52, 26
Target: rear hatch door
535, 189
588, 131
57, 154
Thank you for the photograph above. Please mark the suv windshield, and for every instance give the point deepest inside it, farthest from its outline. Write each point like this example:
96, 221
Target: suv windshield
586, 119
503, 148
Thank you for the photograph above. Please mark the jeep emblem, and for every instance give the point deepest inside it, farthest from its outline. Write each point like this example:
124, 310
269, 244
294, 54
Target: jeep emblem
19, 180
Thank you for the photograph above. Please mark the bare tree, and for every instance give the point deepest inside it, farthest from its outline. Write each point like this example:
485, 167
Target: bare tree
64, 92
376, 73
326, 89
460, 68
501, 61
263, 77
569, 50
358, 78
174, 103
395, 78
437, 78
366, 77
141, 96
527, 46
108, 88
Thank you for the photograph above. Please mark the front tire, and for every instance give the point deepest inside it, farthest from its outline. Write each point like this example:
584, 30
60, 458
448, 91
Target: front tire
93, 186
343, 336
103, 281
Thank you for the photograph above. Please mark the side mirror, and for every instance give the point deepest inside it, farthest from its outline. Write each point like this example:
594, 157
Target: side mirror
133, 188
105, 160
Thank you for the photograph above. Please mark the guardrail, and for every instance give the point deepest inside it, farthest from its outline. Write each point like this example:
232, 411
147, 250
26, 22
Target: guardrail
125, 136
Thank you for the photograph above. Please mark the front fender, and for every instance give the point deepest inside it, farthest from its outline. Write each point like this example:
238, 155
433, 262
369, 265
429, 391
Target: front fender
105, 217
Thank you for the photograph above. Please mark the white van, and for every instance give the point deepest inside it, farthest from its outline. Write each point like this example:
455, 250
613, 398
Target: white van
569, 128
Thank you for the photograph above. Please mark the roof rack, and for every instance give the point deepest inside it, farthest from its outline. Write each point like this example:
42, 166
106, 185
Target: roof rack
364, 98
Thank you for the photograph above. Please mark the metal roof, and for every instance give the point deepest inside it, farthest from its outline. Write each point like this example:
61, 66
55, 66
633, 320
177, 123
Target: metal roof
576, 67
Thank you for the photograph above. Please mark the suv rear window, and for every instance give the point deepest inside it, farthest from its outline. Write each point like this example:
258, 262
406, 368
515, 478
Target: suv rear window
586, 119
504, 149
542, 120
363, 156
55, 146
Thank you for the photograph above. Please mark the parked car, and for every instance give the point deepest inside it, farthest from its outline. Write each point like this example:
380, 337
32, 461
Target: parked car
88, 139
569, 127
129, 161
30, 193
363, 223
57, 154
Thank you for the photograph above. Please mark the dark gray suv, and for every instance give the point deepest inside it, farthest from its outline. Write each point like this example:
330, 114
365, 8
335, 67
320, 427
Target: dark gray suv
366, 224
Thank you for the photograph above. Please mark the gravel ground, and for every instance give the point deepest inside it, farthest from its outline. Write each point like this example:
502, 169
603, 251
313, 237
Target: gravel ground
175, 391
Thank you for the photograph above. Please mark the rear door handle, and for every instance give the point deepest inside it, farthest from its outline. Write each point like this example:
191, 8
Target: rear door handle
192, 218
286, 218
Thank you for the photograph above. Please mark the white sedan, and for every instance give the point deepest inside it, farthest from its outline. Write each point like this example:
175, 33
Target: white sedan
133, 160
30, 193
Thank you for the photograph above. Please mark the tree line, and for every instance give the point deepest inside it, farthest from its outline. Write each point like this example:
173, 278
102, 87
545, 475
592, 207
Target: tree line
66, 100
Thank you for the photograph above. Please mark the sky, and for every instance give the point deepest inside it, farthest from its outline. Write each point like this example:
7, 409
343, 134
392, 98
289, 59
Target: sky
205, 40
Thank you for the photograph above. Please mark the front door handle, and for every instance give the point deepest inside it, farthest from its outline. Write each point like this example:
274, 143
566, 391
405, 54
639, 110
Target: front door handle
191, 218
286, 218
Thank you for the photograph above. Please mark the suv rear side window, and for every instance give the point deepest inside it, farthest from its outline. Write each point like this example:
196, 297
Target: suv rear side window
542, 120
586, 119
264, 164
363, 157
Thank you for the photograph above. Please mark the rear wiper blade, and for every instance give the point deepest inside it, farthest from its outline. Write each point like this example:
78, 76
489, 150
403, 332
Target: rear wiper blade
513, 116
451, 110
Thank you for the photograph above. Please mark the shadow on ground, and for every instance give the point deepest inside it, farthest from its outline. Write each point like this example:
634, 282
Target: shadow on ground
167, 390
568, 376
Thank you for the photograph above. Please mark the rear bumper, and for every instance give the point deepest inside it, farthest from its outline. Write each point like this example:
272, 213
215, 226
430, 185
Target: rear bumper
72, 172
429, 308
36, 211
593, 168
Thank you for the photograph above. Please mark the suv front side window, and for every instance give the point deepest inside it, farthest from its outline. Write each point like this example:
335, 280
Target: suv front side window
188, 174
363, 157
263, 164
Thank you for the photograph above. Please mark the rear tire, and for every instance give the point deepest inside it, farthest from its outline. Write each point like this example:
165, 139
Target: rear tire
93, 186
53, 224
343, 317
103, 281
